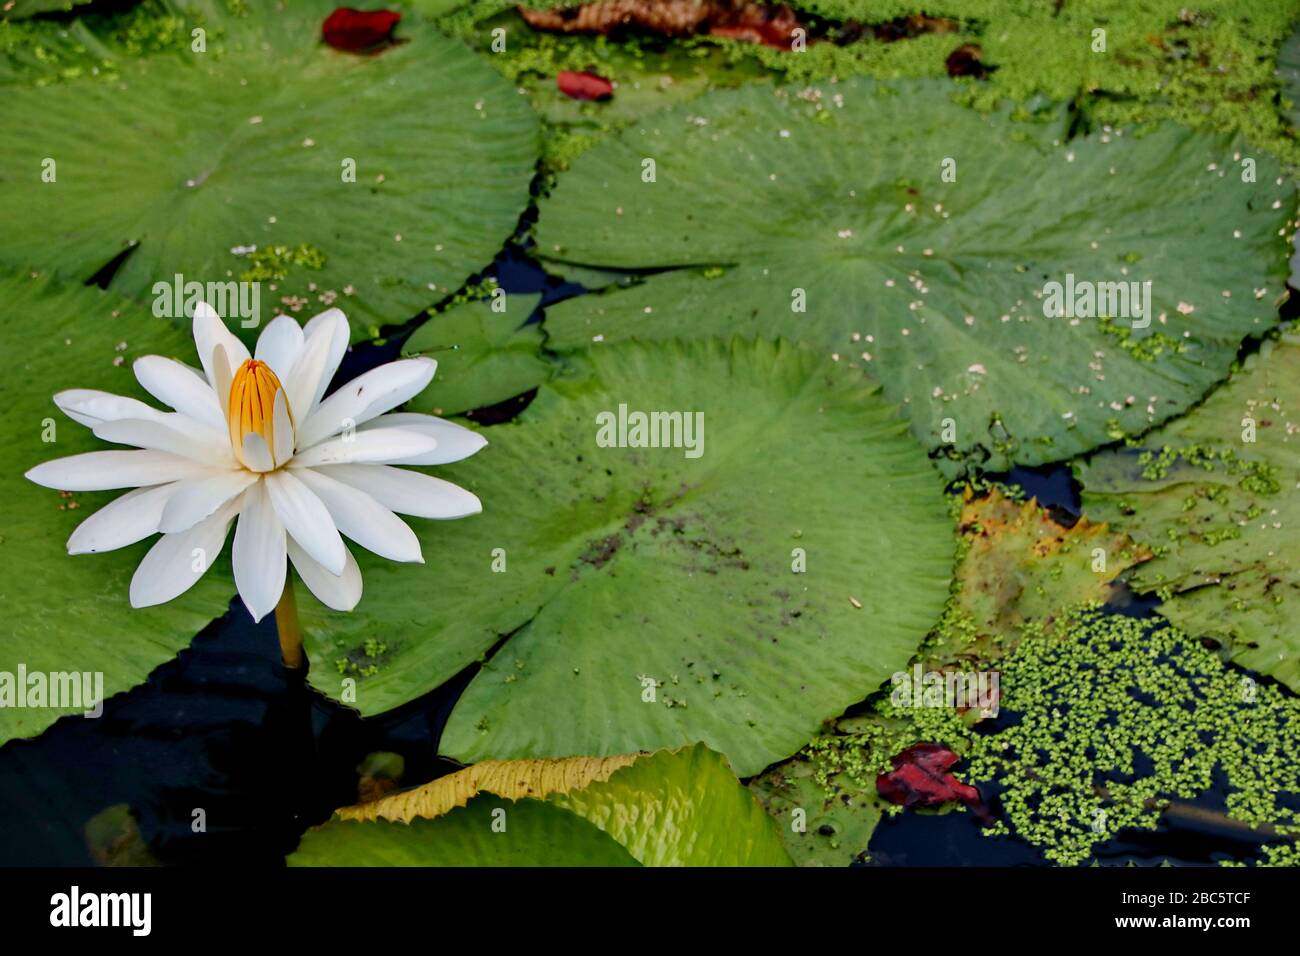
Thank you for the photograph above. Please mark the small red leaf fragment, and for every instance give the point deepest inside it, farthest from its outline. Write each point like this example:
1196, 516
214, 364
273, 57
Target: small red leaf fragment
920, 778
355, 30
967, 60
584, 86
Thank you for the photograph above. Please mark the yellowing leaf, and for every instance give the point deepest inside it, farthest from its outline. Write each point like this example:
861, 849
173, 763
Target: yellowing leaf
514, 779
1022, 567
681, 807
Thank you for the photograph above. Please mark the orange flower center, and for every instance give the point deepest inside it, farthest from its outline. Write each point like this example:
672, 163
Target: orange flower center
252, 403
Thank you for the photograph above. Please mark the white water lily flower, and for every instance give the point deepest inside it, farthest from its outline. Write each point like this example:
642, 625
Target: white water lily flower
251, 439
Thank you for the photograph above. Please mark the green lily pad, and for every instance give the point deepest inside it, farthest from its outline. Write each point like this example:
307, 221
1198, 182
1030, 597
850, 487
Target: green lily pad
680, 809
596, 279
649, 598
377, 183
71, 614
488, 831
485, 352
670, 808
822, 214
824, 820
1288, 71
1217, 496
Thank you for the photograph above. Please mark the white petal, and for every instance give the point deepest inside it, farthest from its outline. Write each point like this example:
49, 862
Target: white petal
279, 346
192, 501
282, 430
225, 377
307, 371
382, 444
104, 470
181, 388
408, 492
196, 441
177, 561
306, 519
124, 520
455, 442
363, 519
256, 455
209, 332
339, 592
259, 553
367, 396
326, 339
89, 407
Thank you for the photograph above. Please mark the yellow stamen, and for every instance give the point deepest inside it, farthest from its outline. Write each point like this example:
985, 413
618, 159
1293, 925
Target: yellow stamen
252, 404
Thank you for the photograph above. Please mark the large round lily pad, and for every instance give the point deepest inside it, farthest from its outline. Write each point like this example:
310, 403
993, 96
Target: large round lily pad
648, 597
1217, 496
67, 614
378, 183
891, 228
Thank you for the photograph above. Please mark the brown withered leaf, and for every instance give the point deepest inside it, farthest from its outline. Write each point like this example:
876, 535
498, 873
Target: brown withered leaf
773, 24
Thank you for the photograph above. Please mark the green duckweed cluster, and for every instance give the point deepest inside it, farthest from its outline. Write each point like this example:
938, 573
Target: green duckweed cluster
271, 263
471, 292
1257, 477
1122, 716
51, 51
1110, 722
363, 661
1146, 348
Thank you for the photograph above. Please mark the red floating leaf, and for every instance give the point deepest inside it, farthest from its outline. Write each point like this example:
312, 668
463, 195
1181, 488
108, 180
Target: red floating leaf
584, 86
920, 778
354, 30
